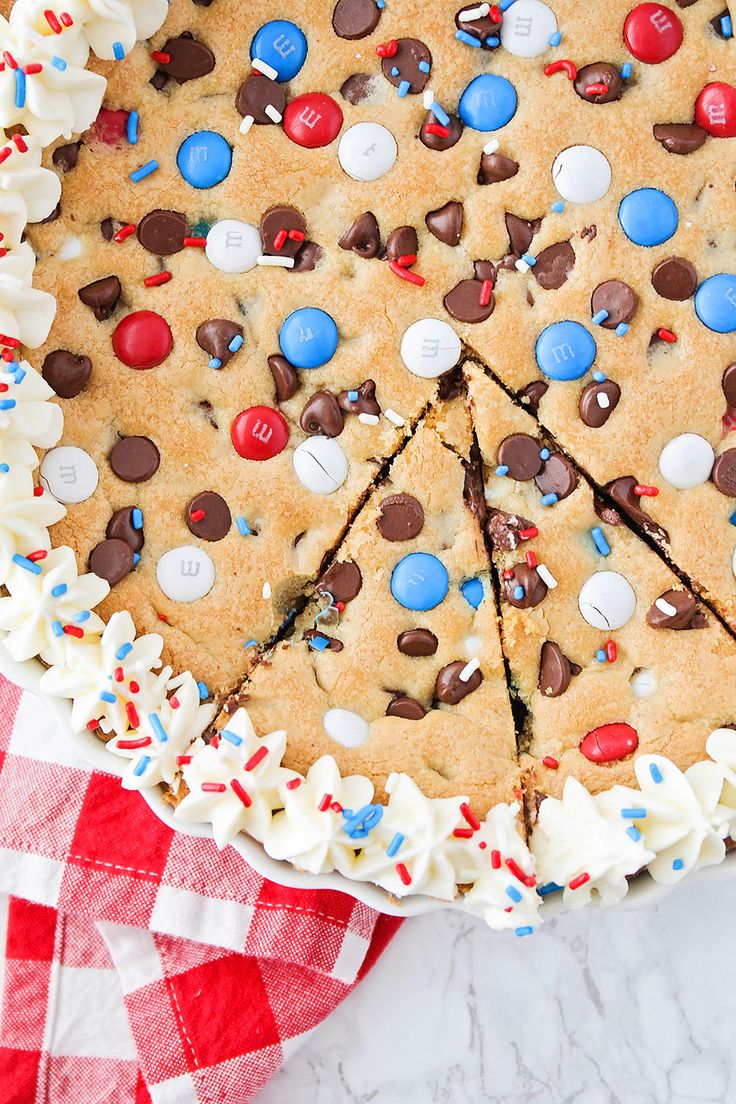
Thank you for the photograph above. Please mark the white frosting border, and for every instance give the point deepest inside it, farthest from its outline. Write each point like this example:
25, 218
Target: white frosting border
676, 822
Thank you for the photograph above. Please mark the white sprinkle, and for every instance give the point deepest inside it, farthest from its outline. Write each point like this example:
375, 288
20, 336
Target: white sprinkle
665, 607
276, 262
474, 13
274, 115
428, 98
521, 265
472, 645
368, 419
603, 400
70, 248
393, 417
492, 146
546, 575
265, 68
266, 592
246, 124
469, 669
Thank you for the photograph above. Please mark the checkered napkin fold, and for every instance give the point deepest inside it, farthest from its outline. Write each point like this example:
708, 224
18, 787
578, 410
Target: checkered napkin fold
142, 964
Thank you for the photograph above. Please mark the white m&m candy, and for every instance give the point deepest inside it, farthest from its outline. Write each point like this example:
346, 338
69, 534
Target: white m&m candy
607, 600
686, 461
320, 465
429, 348
527, 28
367, 151
185, 573
581, 174
233, 246
345, 727
69, 473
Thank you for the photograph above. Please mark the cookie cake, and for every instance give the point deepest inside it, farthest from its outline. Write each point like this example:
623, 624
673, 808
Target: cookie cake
368, 377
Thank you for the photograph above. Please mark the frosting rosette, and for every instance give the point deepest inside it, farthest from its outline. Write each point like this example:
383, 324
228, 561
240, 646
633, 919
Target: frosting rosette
26, 313
110, 27
28, 192
27, 417
499, 867
24, 516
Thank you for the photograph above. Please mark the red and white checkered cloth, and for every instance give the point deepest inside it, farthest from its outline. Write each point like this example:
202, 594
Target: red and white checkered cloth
141, 964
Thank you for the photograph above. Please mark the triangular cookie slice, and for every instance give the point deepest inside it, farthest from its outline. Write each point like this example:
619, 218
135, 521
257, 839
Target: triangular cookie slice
609, 653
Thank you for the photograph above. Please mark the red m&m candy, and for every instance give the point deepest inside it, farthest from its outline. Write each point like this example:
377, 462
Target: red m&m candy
313, 120
109, 128
259, 433
142, 339
609, 743
652, 33
715, 109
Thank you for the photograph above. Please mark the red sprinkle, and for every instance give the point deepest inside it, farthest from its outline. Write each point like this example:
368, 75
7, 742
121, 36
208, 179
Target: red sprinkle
297, 235
20, 145
529, 534
124, 232
340, 607
132, 714
495, 859
596, 89
508, 573
567, 67
74, 630
161, 57
293, 784
526, 879
197, 515
581, 879
666, 335
387, 49
52, 21
405, 274
336, 807
131, 745
31, 70
92, 725
325, 803
469, 816
163, 617
66, 19
642, 490
482, 845
159, 278
463, 833
37, 492
403, 874
531, 559
257, 757
495, 13
40, 554
12, 342
611, 652
213, 787
551, 762
10, 60
134, 687
241, 792
196, 243
438, 129
182, 760
118, 674
406, 260
280, 239
485, 293
5, 153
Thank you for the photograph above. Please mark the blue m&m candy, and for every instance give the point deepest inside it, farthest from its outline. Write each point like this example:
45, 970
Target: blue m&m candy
715, 302
472, 592
204, 159
308, 338
647, 216
565, 350
488, 103
419, 581
281, 45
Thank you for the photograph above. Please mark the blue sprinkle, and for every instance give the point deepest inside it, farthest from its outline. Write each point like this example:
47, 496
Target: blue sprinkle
7, 404
106, 696
141, 765
20, 88
204, 690
58, 63
136, 558
243, 527
57, 591
123, 651
555, 39
319, 643
655, 772
626, 70
353, 396
502, 469
678, 864
235, 344
528, 259
231, 737
381, 4
558, 207
394, 71
215, 362
359, 824
600, 655
394, 845
513, 893
472, 592
519, 593
132, 128
504, 4
403, 89
424, 66
634, 814
440, 114
4, 468
463, 36
544, 454
550, 887
732, 519
600, 542
726, 26
549, 499
250, 643
144, 171
29, 565
83, 615
599, 376
118, 51
158, 729
137, 518
56, 628
20, 374
600, 317
634, 833
528, 929
622, 329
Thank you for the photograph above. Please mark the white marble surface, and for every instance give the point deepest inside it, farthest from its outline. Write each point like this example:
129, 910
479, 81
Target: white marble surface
597, 1008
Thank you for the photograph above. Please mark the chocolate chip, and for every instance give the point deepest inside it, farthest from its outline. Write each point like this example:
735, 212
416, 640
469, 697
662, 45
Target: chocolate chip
589, 232
676, 609
558, 477
357, 88
532, 585
255, 94
65, 157
495, 167
442, 141
728, 383
555, 670
450, 688
554, 265
121, 527
363, 237
520, 454
622, 492
159, 80
503, 529
675, 278
679, 137
208, 516
532, 394
135, 459
446, 223
402, 242
618, 299
465, 302
284, 375
485, 270
283, 230
322, 414
108, 229
408, 708
365, 403
111, 560
102, 296
599, 73
598, 402
215, 337
353, 19
724, 473
66, 373
605, 512
401, 517
417, 642
206, 407
520, 232
189, 58
307, 258
333, 645
717, 24
484, 28
162, 232
473, 490
342, 581
408, 66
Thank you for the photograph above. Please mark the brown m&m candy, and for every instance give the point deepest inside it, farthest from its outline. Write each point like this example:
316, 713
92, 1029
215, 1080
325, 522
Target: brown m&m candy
122, 526
598, 83
342, 581
322, 414
283, 231
553, 265
675, 278
162, 232
257, 93
455, 681
111, 560
135, 459
66, 373
363, 236
446, 223
724, 473
417, 642
216, 335
617, 299
523, 586
406, 63
676, 609
353, 19
401, 517
598, 400
520, 455
102, 296
188, 59
555, 670
408, 708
